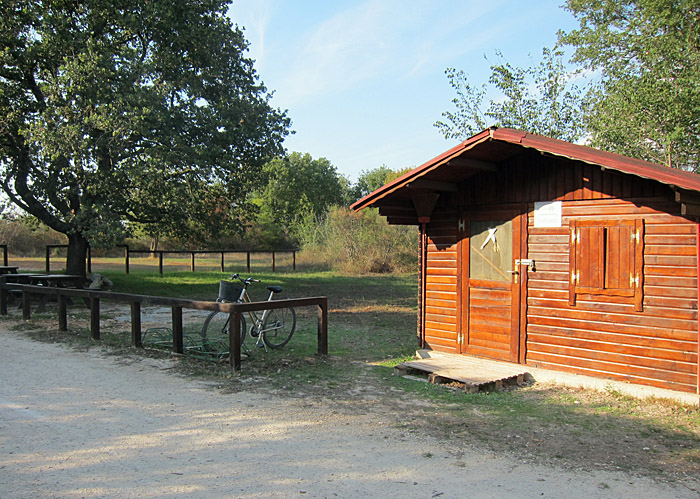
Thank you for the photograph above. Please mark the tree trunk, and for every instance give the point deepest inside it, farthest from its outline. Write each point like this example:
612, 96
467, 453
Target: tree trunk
154, 246
77, 254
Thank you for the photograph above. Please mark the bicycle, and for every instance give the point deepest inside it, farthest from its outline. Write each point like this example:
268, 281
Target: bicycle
274, 328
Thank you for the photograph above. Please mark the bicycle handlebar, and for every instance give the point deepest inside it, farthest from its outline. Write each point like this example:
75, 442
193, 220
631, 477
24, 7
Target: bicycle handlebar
247, 280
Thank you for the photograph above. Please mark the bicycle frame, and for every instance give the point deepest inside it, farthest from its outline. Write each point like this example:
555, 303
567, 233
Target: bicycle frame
256, 322
270, 327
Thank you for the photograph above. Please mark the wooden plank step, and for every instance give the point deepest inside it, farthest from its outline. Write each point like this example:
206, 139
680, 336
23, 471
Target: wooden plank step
473, 373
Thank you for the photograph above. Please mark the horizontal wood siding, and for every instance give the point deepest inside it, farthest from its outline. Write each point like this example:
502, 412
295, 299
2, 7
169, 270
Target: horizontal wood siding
440, 313
604, 335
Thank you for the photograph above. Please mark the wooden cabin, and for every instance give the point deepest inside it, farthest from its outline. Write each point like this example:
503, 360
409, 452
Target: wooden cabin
554, 255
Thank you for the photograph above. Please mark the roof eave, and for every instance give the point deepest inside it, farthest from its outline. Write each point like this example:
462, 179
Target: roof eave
418, 172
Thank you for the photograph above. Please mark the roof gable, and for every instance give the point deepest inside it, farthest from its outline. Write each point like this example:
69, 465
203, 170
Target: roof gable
484, 149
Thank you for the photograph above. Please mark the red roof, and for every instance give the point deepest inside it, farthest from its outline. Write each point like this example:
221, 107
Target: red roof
508, 136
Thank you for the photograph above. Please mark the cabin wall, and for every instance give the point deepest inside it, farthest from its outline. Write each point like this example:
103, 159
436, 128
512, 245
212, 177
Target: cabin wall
605, 335
599, 335
441, 283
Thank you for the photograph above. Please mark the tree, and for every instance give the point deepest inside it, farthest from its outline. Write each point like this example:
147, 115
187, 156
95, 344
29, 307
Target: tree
129, 113
298, 187
647, 103
542, 99
370, 181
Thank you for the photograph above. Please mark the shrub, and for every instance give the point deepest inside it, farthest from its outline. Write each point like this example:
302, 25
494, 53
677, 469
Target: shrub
27, 237
357, 242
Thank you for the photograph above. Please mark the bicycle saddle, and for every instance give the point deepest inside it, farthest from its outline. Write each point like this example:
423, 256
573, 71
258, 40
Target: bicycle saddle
275, 289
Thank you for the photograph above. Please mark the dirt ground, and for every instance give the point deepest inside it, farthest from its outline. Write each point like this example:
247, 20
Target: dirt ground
77, 423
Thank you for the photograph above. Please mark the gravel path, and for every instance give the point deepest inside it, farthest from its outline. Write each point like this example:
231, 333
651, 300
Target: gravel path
80, 424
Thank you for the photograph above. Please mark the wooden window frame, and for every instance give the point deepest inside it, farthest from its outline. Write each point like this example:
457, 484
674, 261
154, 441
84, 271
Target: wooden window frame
597, 272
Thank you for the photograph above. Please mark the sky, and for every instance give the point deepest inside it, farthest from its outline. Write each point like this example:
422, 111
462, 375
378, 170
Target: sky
364, 81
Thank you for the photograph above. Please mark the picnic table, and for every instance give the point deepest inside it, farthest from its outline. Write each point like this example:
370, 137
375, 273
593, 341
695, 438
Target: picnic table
47, 280
56, 281
6, 297
8, 269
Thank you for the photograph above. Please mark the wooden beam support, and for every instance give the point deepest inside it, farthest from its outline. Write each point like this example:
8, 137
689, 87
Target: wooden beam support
433, 185
687, 197
424, 205
690, 210
402, 220
476, 164
408, 211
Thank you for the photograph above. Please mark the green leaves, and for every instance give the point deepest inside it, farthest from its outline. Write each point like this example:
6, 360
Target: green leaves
648, 55
299, 185
140, 112
542, 99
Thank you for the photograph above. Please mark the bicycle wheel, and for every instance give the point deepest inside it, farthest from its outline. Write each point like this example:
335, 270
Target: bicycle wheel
279, 327
216, 325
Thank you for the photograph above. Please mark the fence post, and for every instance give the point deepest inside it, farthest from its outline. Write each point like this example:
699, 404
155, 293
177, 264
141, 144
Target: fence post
4, 255
126, 258
89, 260
48, 259
192, 261
160, 262
136, 324
294, 260
234, 340
248, 260
323, 328
4, 296
62, 312
222, 261
95, 318
26, 306
178, 341
273, 261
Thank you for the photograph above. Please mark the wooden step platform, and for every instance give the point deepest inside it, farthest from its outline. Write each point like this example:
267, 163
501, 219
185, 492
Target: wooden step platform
473, 373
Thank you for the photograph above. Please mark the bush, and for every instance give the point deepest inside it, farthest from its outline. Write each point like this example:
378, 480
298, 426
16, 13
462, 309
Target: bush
27, 237
358, 242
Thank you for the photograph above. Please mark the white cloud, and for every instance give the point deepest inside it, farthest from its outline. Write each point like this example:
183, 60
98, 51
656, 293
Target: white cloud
347, 48
385, 38
253, 16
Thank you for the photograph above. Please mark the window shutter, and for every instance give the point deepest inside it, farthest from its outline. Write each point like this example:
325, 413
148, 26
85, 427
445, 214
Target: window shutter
590, 257
606, 257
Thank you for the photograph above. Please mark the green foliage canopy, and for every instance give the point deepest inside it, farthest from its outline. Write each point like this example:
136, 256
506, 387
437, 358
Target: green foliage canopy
542, 99
129, 112
647, 53
369, 181
299, 186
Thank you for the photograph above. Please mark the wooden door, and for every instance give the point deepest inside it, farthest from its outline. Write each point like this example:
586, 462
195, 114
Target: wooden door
490, 312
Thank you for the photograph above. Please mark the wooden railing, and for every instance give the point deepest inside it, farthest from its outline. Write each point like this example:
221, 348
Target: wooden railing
93, 299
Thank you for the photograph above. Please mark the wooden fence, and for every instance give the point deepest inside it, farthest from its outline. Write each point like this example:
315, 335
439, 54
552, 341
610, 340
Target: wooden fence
93, 299
128, 252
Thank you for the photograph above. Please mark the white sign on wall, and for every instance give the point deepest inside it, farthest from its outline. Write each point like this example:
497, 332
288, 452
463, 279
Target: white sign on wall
548, 214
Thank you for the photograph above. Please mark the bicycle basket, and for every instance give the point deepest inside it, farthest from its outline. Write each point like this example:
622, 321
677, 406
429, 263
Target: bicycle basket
229, 291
